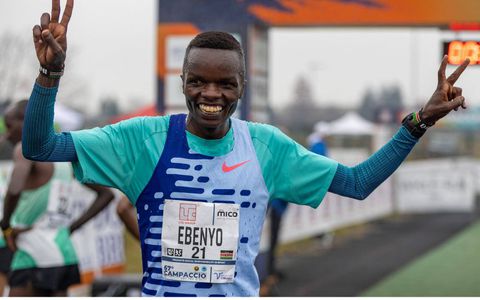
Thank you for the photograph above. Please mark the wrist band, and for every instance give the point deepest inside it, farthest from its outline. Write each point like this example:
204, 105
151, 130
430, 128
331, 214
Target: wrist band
414, 124
416, 118
51, 74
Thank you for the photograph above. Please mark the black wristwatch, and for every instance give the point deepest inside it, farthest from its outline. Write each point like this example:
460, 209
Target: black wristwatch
415, 125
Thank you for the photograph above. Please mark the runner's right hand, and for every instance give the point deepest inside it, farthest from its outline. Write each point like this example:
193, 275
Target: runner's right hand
11, 238
50, 37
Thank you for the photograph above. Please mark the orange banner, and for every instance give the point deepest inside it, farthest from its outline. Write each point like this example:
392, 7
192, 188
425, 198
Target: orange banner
369, 12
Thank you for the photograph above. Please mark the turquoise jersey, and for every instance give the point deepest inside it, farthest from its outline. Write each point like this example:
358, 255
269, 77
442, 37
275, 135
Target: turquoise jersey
134, 157
124, 156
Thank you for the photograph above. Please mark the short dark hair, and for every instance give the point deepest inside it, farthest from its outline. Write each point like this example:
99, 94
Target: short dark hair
20, 108
17, 109
216, 40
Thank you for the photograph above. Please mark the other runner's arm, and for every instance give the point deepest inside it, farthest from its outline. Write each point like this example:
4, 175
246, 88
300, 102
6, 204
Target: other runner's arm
127, 214
104, 197
21, 169
39, 139
358, 182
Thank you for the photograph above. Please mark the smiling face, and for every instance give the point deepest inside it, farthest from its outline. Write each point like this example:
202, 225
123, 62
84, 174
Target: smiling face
212, 84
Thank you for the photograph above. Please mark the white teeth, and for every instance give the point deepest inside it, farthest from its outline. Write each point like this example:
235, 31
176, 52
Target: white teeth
210, 108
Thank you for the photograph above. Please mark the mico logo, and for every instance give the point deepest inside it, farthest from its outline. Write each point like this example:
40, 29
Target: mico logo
227, 214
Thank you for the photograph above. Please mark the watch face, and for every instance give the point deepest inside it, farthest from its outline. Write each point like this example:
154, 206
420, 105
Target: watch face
411, 124
407, 118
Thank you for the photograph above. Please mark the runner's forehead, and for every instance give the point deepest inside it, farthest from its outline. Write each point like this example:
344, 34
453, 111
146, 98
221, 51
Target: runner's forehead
208, 60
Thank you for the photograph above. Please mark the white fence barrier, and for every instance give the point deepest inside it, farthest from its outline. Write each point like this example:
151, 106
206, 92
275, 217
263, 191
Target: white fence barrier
440, 185
427, 186
334, 212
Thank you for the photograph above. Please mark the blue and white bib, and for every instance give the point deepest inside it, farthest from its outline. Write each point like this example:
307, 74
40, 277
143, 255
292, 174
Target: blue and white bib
188, 177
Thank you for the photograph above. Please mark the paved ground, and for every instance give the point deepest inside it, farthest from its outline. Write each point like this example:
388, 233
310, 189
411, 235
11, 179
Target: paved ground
357, 258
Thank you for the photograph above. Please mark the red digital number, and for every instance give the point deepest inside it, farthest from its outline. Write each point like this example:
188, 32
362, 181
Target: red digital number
471, 51
458, 51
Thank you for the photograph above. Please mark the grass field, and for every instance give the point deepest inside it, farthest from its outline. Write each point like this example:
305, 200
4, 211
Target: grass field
452, 269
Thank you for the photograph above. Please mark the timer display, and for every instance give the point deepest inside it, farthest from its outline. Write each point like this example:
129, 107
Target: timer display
458, 51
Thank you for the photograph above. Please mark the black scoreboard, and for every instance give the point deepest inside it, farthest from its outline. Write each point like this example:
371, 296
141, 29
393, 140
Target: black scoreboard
458, 51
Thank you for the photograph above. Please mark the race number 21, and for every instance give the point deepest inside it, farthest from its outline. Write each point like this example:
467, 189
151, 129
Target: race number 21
198, 251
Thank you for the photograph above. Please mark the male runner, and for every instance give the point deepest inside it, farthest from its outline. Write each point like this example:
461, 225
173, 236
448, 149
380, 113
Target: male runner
5, 256
37, 219
201, 183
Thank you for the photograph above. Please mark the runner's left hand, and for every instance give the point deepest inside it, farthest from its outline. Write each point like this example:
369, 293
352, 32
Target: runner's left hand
446, 97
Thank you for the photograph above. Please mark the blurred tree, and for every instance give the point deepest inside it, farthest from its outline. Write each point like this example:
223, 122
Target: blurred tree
369, 106
385, 107
16, 66
19, 68
302, 112
109, 107
391, 101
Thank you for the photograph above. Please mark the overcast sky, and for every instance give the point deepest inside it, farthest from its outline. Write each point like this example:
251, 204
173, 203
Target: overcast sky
111, 45
341, 63
112, 54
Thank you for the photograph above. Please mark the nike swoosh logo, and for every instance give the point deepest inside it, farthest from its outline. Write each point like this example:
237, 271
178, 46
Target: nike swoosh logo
226, 168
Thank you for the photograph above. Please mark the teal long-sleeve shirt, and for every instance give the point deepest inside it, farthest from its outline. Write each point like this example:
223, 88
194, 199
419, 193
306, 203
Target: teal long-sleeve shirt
124, 155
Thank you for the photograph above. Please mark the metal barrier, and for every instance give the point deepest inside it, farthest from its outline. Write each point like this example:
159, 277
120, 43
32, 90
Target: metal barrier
125, 285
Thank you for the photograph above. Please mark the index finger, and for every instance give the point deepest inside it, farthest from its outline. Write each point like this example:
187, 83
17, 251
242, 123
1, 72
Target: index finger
55, 11
67, 13
441, 70
456, 74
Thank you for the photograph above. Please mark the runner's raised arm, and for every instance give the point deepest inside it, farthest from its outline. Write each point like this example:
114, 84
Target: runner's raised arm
40, 142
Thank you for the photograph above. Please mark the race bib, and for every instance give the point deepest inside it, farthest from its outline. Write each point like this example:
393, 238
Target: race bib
200, 241
59, 211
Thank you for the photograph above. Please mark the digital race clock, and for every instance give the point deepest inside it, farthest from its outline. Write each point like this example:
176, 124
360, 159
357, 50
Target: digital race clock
458, 51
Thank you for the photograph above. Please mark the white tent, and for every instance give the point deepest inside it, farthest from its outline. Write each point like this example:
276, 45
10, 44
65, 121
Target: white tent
351, 124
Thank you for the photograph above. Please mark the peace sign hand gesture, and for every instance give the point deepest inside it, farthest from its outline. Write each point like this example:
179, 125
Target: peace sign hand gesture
446, 97
50, 37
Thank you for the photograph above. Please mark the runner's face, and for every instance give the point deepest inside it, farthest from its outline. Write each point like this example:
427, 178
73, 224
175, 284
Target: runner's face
14, 127
212, 84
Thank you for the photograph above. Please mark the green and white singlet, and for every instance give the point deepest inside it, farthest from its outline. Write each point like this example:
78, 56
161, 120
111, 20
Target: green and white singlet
48, 243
